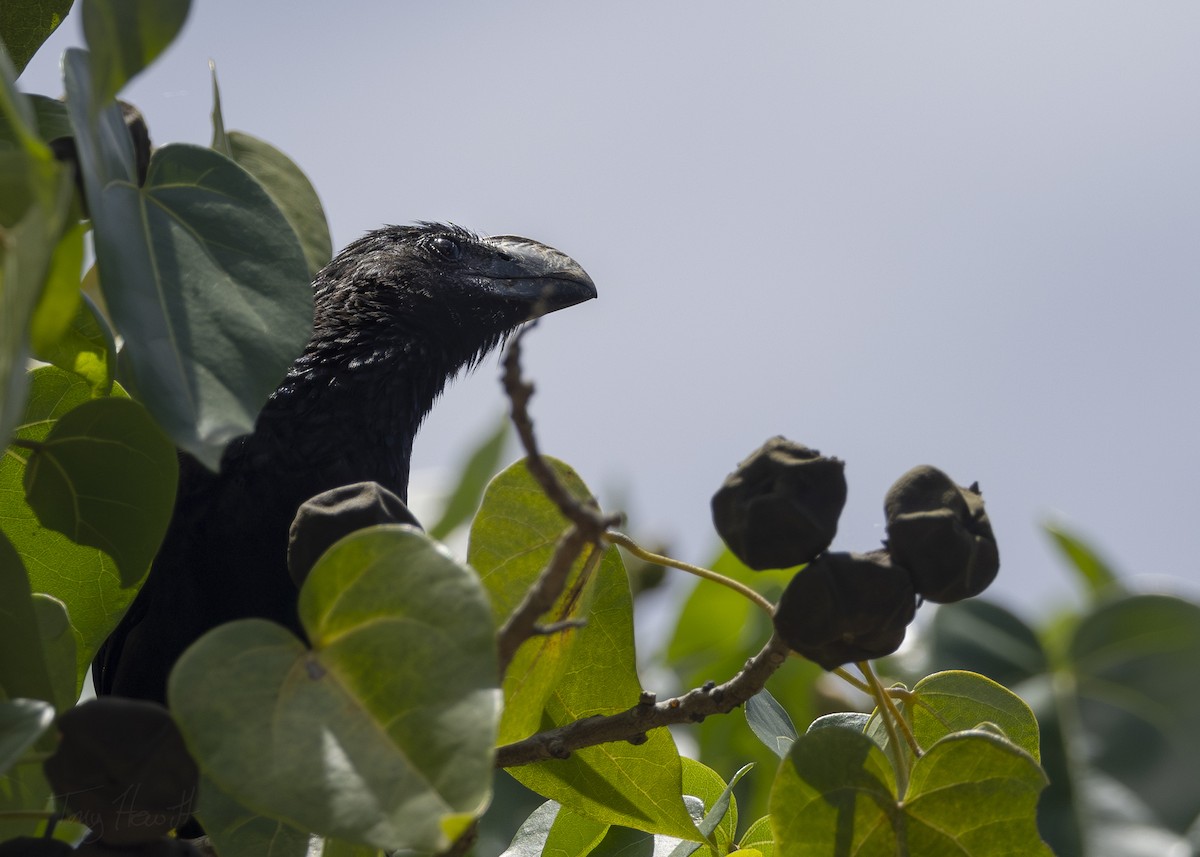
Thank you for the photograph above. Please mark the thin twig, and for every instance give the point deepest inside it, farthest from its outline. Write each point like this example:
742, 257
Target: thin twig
585, 515
613, 537
633, 723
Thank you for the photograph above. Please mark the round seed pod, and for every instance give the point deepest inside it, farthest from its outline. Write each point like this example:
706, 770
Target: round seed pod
780, 508
330, 515
846, 607
940, 532
122, 769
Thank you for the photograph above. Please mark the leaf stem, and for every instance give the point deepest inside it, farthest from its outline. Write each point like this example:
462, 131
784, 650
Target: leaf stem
890, 716
615, 538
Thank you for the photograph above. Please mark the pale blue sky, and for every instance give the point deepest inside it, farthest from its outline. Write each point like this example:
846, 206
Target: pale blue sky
958, 234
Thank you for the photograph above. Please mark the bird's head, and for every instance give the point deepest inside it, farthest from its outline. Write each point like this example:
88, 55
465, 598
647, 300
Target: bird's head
444, 285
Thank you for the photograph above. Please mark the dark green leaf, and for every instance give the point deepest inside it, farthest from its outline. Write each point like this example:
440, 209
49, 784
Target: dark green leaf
125, 36
25, 26
23, 667
1133, 661
383, 732
84, 579
201, 273
51, 115
853, 720
105, 476
472, 481
292, 192
983, 637
58, 645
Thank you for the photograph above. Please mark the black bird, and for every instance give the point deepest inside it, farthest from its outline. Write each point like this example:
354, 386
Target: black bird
397, 315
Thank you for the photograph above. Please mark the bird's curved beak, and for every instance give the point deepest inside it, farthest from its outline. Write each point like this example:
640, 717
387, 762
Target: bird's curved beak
537, 275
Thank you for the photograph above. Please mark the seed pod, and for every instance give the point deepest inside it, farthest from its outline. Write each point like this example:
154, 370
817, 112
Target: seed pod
941, 533
780, 508
122, 769
846, 607
330, 515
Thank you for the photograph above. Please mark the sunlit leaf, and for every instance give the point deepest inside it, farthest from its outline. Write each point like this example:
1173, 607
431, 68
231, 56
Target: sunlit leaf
836, 788
85, 579
105, 476
383, 732
579, 672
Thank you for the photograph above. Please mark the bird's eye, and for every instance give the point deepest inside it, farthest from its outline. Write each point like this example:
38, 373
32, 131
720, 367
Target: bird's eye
447, 248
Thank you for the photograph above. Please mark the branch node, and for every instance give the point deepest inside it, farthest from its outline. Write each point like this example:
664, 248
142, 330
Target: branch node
640, 738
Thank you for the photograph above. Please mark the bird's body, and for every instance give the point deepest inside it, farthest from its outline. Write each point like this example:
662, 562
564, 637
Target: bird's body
397, 315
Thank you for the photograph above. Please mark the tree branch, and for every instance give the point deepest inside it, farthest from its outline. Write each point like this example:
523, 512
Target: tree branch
633, 723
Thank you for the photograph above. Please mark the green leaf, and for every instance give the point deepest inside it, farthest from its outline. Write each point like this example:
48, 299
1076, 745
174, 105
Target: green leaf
201, 273
35, 195
758, 837
472, 481
125, 36
237, 831
24, 723
957, 701
770, 722
84, 579
1137, 704
292, 192
105, 476
552, 830
1094, 573
23, 668
383, 732
51, 117
282, 179
60, 297
983, 637
971, 794
86, 348
580, 672
25, 26
58, 645
719, 822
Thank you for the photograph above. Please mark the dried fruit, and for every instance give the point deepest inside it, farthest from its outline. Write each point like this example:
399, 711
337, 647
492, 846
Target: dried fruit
780, 508
122, 769
846, 607
940, 532
330, 515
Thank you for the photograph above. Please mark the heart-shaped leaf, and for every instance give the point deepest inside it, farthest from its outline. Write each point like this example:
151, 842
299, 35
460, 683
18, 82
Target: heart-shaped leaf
381, 733
86, 580
837, 786
201, 273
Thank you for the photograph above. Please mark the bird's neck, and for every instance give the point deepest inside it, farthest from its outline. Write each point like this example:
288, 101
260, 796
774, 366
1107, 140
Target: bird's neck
349, 414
